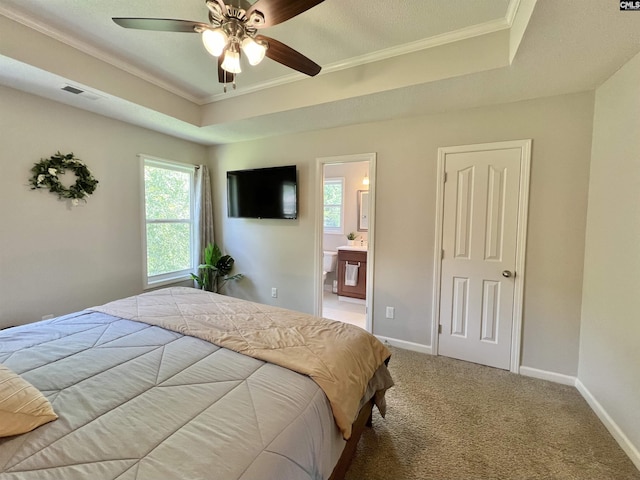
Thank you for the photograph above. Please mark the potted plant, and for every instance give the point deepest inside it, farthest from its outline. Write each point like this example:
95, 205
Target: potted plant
351, 238
214, 272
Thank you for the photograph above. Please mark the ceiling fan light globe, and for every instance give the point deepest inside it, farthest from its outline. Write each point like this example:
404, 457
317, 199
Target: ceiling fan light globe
231, 62
255, 51
214, 41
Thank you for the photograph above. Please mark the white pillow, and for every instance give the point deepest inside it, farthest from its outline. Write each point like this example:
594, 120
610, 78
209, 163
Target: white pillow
22, 406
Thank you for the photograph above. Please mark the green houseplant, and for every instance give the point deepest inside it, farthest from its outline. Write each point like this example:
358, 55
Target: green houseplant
214, 272
351, 237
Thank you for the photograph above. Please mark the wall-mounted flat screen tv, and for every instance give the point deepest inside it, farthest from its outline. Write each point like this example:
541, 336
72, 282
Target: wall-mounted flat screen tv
263, 193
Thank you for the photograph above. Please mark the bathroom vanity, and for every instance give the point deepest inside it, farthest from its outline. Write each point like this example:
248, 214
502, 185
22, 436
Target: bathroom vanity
356, 255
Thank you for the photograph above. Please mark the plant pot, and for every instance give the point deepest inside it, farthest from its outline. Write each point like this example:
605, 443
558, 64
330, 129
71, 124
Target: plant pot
351, 243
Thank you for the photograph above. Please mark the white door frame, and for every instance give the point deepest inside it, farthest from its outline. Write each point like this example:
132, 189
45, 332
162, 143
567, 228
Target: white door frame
319, 197
521, 241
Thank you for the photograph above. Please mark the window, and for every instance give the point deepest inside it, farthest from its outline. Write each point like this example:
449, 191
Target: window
333, 205
169, 234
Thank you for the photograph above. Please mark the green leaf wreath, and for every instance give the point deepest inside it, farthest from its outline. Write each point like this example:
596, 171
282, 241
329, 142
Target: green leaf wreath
46, 174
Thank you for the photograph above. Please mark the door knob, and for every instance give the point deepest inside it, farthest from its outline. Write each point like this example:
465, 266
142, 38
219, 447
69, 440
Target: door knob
506, 273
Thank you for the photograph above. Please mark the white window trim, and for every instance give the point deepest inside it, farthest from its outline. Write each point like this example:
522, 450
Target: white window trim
156, 281
334, 230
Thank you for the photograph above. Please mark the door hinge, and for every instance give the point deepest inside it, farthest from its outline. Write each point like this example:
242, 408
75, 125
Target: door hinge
442, 254
440, 329
445, 177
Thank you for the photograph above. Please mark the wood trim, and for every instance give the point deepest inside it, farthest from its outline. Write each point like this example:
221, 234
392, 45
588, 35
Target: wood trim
364, 419
614, 429
521, 250
406, 345
547, 375
437, 252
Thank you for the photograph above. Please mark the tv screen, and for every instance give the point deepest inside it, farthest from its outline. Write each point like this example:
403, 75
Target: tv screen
263, 193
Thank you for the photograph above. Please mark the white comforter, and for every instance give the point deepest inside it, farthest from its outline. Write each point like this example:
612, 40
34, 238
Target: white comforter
140, 402
339, 357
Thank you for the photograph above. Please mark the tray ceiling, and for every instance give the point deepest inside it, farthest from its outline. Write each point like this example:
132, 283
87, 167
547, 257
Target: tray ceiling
380, 59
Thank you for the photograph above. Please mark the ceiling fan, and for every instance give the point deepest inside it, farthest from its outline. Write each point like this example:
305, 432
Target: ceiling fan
234, 29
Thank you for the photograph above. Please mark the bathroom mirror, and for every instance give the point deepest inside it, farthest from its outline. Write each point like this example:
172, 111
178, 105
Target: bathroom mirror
363, 210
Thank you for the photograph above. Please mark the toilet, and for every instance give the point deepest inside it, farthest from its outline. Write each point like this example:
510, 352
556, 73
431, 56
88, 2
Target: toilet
329, 261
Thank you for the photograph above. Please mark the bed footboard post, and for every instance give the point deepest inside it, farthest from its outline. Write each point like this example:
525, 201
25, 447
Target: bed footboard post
370, 419
364, 417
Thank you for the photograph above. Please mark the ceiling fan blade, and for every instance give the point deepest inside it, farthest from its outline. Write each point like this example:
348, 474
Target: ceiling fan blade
223, 75
160, 24
289, 57
278, 11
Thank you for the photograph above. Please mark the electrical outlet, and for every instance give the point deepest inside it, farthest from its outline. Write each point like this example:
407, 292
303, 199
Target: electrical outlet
391, 312
274, 292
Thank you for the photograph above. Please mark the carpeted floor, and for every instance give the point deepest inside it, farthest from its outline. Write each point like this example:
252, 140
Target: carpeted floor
449, 419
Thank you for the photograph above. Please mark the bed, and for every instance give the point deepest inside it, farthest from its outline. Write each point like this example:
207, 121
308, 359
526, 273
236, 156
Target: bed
184, 384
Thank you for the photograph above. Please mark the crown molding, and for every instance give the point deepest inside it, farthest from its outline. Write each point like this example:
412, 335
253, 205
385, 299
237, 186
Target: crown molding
96, 53
512, 10
404, 49
431, 42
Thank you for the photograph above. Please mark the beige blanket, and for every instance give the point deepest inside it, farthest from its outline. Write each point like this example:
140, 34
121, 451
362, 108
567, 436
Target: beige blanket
339, 357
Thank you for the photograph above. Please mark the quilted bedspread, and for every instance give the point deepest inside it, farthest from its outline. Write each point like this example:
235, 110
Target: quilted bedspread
339, 357
139, 402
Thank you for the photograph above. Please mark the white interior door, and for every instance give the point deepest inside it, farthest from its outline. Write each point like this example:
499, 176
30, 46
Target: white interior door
479, 243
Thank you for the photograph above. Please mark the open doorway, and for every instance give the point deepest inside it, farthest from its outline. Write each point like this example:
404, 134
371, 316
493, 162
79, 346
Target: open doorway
344, 238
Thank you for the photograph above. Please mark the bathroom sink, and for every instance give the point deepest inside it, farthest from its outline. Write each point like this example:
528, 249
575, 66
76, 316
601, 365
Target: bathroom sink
357, 248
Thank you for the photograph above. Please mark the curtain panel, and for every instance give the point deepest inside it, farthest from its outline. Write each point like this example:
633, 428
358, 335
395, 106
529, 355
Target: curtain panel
204, 211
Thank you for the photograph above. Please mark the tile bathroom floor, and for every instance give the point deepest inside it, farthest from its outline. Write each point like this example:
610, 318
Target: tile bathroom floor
332, 308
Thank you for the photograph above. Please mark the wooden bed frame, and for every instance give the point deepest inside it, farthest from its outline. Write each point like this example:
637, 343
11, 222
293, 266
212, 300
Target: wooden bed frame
364, 418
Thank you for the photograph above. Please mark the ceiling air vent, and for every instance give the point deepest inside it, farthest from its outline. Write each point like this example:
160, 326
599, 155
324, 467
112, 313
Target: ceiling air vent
83, 93
70, 89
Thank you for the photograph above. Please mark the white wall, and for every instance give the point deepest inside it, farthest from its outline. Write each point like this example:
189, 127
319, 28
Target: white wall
610, 333
55, 259
281, 253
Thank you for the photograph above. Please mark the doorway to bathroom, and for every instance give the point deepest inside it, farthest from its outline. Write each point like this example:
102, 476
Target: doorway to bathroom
344, 244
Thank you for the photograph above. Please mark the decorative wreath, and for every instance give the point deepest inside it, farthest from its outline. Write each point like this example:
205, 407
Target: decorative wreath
47, 171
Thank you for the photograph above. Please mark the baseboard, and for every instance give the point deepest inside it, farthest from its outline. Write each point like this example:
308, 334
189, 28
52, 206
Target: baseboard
550, 376
416, 347
629, 448
617, 433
